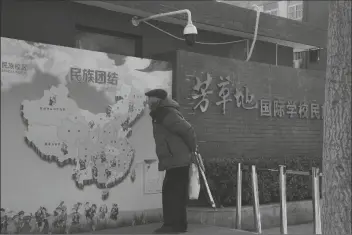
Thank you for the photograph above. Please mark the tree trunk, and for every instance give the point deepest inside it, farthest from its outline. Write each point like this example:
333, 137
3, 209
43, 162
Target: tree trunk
336, 207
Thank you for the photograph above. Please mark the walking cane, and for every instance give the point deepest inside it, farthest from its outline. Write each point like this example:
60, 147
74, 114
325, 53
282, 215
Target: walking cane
201, 168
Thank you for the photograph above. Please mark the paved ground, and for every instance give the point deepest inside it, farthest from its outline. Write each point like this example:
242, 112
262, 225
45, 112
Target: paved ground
194, 229
197, 229
306, 229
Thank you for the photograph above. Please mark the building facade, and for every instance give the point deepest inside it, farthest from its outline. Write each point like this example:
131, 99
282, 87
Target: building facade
271, 110
111, 27
311, 12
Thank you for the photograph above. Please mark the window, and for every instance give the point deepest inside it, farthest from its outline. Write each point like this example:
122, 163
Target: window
314, 55
298, 55
271, 8
272, 12
108, 42
299, 59
295, 10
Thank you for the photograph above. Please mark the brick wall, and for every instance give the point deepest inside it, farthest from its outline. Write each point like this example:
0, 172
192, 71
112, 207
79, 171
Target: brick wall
245, 133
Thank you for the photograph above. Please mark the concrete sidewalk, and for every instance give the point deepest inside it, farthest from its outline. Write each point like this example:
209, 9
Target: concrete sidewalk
194, 229
302, 229
199, 229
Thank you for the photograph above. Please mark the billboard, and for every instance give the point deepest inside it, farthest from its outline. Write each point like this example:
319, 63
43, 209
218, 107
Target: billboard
76, 132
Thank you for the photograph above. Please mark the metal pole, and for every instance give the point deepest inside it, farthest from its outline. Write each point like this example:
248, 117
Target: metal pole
239, 197
276, 52
201, 169
316, 201
256, 209
283, 205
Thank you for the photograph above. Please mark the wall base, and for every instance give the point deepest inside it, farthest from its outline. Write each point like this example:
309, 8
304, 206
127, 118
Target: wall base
299, 212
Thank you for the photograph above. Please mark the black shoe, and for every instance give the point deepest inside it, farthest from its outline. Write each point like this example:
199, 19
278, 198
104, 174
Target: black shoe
180, 230
168, 230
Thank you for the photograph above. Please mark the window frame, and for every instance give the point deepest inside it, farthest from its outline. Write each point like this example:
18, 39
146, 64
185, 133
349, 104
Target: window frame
295, 11
298, 55
138, 40
272, 10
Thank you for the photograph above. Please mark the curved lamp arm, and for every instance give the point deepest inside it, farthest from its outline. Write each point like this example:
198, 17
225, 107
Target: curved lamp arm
136, 21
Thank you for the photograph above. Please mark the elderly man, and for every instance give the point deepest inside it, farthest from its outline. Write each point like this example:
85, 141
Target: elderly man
175, 142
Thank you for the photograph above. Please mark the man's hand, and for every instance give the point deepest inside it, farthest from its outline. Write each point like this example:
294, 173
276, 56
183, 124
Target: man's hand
197, 159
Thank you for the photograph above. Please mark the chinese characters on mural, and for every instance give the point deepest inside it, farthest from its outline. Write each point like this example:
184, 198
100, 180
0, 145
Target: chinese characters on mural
93, 76
246, 100
10, 67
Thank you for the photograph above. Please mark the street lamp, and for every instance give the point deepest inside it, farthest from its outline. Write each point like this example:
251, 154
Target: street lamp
190, 31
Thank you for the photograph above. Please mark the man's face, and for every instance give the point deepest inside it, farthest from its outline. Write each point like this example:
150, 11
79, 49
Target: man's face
153, 102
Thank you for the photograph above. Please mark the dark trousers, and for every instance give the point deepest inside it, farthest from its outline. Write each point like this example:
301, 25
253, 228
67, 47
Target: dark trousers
175, 197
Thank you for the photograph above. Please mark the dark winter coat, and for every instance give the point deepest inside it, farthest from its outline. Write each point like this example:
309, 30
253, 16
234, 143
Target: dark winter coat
175, 138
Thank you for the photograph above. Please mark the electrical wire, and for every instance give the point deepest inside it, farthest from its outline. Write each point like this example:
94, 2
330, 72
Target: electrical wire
255, 32
221, 43
224, 43
203, 43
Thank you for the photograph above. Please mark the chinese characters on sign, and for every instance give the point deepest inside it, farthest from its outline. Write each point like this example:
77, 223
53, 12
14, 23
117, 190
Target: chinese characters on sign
202, 89
224, 93
279, 109
291, 109
246, 100
93, 76
265, 108
8, 67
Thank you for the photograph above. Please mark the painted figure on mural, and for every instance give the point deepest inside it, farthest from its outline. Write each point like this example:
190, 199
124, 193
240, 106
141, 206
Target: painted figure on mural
76, 215
4, 220
109, 111
176, 143
94, 172
103, 210
60, 217
114, 211
52, 100
107, 173
103, 156
41, 219
91, 124
105, 194
90, 212
82, 164
113, 162
26, 227
22, 222
18, 219
64, 148
133, 175
9, 220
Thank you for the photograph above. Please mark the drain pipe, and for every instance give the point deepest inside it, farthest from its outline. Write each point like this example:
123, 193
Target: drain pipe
255, 31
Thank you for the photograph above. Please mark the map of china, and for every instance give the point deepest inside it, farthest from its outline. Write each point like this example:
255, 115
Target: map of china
97, 144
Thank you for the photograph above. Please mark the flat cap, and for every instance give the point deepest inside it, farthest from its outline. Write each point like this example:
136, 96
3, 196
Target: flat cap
158, 93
